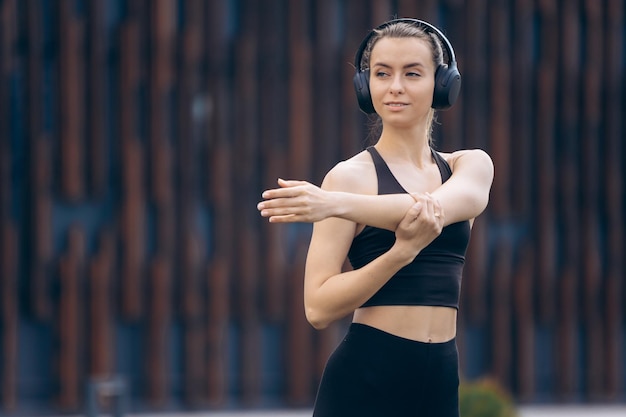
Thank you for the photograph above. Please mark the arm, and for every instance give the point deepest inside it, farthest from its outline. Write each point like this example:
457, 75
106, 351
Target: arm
330, 294
463, 197
466, 194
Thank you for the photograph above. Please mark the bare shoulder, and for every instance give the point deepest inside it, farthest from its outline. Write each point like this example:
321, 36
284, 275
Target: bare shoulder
476, 157
356, 174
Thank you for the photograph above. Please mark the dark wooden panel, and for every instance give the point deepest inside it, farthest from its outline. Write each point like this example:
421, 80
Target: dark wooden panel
219, 186
159, 312
544, 155
101, 317
70, 320
612, 173
501, 301
568, 182
593, 275
9, 346
71, 101
97, 159
524, 321
144, 131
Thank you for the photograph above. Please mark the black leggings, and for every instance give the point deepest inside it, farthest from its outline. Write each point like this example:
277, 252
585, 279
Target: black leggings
373, 373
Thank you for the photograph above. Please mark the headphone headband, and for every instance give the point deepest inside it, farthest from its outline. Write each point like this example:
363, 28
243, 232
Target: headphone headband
447, 77
430, 28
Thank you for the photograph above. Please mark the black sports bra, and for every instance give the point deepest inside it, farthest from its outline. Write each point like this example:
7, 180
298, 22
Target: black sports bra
434, 276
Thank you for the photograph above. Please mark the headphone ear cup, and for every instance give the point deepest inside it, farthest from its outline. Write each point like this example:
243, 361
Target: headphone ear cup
361, 82
447, 86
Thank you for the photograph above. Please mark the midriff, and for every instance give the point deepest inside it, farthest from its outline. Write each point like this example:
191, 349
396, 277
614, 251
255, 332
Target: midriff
421, 323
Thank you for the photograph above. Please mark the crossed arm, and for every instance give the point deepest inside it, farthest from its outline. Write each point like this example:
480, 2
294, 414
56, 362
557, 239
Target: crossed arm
329, 292
463, 197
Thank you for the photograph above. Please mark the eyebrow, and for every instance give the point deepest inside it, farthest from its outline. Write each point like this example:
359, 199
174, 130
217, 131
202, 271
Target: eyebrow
410, 65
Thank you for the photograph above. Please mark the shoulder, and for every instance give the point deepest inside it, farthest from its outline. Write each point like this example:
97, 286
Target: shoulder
476, 158
356, 175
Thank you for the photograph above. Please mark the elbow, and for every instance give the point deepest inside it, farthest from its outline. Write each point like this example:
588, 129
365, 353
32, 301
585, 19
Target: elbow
316, 318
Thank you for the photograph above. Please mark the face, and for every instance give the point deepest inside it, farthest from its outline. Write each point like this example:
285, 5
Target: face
402, 80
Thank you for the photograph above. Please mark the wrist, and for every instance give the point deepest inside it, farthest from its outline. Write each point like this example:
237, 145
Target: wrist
339, 204
402, 254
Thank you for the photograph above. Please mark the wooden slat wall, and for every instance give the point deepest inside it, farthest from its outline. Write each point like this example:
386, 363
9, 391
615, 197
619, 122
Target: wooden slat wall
137, 136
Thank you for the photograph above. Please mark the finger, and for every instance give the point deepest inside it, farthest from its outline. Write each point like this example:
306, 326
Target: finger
291, 218
282, 211
413, 212
290, 183
275, 193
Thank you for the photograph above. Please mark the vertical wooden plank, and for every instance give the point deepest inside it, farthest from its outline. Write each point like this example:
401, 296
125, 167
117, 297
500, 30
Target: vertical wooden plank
161, 36
449, 131
70, 313
501, 300
590, 242
327, 125
475, 83
96, 129
613, 175
220, 195
218, 352
354, 127
545, 183
101, 318
325, 110
132, 155
299, 372
188, 124
301, 95
500, 115
500, 111
159, 318
569, 180
9, 244
273, 72
301, 378
132, 230
40, 171
246, 147
524, 324
521, 129
41, 267
9, 344
71, 105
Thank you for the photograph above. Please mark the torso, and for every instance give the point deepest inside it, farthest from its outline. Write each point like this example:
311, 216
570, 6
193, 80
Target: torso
422, 323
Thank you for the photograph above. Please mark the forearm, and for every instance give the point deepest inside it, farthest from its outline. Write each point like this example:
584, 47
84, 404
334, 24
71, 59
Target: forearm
382, 211
341, 294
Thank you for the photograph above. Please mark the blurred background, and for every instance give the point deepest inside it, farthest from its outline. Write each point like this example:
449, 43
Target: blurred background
136, 137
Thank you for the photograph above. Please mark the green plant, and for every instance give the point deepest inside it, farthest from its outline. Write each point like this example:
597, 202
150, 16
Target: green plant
485, 398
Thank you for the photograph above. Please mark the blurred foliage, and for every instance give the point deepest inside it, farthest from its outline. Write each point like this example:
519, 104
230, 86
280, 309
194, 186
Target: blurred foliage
485, 398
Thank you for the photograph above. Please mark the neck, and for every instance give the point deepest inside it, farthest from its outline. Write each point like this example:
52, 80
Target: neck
411, 145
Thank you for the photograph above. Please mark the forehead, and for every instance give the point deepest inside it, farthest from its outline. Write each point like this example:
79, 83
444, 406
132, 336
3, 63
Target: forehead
391, 50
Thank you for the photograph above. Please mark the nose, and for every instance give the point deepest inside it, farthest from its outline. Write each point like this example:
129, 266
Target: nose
396, 86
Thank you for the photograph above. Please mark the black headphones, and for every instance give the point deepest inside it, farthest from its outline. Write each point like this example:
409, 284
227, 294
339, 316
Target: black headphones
447, 77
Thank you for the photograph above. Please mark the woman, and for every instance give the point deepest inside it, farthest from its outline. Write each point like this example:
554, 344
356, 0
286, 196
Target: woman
402, 213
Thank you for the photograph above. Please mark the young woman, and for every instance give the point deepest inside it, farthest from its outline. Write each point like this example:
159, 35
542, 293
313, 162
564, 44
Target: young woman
402, 213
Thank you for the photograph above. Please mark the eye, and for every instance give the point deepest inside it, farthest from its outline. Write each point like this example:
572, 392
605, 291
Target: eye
413, 74
381, 74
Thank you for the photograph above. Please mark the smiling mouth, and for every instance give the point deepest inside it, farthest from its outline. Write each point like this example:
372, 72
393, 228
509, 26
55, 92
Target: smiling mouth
396, 104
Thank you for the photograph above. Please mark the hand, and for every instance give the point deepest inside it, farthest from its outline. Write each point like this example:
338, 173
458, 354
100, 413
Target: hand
421, 225
296, 201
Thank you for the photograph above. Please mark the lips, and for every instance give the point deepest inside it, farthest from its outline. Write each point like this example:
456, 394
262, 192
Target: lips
396, 104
